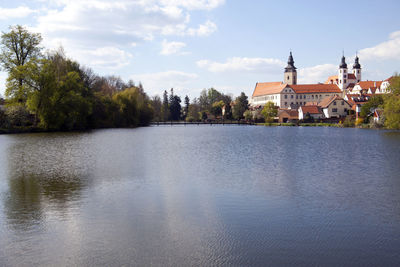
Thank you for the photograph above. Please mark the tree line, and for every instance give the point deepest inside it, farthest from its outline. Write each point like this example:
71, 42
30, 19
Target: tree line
49, 91
52, 92
210, 105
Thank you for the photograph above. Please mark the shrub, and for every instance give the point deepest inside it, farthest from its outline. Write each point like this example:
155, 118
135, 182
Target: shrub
19, 116
359, 121
349, 121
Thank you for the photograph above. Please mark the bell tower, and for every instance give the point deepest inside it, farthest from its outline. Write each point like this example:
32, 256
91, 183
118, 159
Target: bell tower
343, 75
357, 69
290, 75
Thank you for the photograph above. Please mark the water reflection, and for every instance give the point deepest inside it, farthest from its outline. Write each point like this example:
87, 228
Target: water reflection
45, 175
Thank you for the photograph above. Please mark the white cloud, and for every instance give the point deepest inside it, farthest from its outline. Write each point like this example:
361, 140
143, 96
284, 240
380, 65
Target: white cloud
18, 12
84, 27
104, 57
169, 48
156, 83
239, 64
194, 4
389, 49
316, 74
205, 29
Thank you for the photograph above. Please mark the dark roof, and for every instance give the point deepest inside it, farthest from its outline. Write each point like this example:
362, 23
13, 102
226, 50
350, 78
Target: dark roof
356, 64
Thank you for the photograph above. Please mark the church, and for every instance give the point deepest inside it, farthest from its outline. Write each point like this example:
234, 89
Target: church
289, 94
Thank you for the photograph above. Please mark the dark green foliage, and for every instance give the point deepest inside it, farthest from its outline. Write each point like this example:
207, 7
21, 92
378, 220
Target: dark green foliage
18, 116
308, 118
367, 110
392, 104
240, 106
56, 93
175, 107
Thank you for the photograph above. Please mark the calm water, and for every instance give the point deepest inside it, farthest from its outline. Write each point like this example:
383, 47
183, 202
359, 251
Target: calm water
201, 195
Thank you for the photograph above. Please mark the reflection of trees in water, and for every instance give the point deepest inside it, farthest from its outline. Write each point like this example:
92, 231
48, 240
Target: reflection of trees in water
45, 173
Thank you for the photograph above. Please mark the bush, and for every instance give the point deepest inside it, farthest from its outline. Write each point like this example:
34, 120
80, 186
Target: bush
18, 116
349, 121
359, 121
4, 123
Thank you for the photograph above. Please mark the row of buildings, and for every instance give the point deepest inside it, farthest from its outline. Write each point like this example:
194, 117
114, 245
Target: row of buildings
332, 99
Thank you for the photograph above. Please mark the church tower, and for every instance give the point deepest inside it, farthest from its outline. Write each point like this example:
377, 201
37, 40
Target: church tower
290, 76
357, 69
343, 75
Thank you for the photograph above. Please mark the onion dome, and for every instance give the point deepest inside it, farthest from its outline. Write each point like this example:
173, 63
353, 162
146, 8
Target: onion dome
290, 67
343, 64
356, 64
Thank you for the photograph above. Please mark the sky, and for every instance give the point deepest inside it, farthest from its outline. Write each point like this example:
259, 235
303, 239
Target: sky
230, 45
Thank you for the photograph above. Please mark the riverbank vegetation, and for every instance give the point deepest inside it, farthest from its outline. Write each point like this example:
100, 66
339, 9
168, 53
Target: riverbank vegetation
48, 91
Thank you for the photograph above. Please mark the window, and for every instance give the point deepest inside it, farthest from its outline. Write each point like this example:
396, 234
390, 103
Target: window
358, 71
288, 77
345, 81
345, 110
334, 103
340, 81
297, 96
312, 96
291, 96
342, 103
285, 103
334, 110
345, 71
345, 76
285, 96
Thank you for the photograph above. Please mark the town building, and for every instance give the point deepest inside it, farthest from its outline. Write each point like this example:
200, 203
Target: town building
289, 94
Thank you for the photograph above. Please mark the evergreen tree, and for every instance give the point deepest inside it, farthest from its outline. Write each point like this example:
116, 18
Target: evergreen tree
165, 106
187, 103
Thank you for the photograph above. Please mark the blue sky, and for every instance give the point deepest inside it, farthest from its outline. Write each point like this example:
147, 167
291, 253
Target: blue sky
226, 44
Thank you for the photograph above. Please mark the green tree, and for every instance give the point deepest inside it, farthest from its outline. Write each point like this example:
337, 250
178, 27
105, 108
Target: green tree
186, 109
175, 107
269, 112
165, 106
157, 106
392, 104
18, 47
367, 110
248, 115
216, 108
240, 106
194, 111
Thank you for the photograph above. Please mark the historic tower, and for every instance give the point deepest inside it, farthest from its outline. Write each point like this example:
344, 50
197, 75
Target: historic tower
290, 76
343, 75
357, 69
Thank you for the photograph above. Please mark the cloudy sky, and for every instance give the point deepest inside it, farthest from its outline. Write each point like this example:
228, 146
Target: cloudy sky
227, 44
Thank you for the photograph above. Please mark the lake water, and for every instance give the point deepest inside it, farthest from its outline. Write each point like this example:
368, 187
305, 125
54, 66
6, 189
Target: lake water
201, 195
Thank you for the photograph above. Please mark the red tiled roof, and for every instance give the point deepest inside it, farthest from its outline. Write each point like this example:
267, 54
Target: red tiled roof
292, 113
268, 88
315, 88
331, 79
368, 84
328, 100
311, 109
351, 76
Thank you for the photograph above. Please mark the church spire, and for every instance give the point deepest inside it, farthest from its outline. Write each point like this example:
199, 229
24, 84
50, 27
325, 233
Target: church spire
356, 63
290, 67
343, 64
290, 75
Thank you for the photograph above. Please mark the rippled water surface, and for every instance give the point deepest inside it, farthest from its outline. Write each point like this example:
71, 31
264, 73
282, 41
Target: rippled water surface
201, 195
